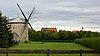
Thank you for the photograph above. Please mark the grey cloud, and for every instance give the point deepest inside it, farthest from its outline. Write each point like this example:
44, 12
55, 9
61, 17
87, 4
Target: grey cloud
56, 12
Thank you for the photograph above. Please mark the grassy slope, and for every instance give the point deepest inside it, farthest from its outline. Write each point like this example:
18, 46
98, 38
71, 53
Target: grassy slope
51, 46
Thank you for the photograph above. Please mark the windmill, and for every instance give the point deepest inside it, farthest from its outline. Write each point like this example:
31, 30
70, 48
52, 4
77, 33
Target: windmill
26, 19
20, 29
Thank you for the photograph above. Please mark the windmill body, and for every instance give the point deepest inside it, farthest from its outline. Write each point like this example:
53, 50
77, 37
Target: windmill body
17, 28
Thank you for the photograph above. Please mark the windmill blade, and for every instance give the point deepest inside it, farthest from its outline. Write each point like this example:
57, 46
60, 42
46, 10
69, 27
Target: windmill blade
30, 26
31, 14
26, 20
24, 29
22, 12
16, 34
29, 18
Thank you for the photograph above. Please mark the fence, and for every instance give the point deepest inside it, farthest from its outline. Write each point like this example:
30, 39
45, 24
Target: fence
50, 52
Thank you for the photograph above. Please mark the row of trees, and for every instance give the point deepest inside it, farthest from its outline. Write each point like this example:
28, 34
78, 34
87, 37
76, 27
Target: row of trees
5, 33
61, 35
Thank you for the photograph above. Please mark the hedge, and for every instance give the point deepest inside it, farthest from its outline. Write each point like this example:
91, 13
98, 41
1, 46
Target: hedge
93, 43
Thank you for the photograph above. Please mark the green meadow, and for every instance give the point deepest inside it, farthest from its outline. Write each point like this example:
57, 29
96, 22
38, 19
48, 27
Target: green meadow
51, 46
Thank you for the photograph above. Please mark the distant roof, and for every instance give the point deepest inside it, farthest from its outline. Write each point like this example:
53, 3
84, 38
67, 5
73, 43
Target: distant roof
75, 30
49, 29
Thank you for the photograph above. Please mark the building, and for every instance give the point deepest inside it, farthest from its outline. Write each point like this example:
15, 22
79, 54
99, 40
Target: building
20, 31
49, 29
75, 31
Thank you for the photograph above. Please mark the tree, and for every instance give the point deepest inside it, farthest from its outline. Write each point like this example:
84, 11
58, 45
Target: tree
5, 33
31, 34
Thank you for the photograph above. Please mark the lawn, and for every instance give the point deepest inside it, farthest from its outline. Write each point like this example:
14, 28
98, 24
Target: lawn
51, 46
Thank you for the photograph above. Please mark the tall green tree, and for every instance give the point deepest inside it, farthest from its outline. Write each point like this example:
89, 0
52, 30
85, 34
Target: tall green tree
5, 33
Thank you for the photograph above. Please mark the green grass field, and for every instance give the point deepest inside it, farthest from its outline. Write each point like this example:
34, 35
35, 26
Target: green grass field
51, 46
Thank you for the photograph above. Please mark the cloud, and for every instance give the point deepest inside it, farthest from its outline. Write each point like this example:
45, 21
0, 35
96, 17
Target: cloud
74, 13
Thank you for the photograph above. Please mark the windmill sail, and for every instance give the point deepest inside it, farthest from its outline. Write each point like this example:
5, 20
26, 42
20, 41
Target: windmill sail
26, 19
31, 13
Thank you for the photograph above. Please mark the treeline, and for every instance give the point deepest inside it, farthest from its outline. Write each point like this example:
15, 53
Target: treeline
61, 35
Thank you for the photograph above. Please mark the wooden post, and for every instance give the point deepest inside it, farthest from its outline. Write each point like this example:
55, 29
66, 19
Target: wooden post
47, 52
7, 48
80, 52
7, 51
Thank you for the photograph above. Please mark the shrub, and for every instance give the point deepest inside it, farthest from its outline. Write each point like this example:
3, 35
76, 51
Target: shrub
26, 42
90, 42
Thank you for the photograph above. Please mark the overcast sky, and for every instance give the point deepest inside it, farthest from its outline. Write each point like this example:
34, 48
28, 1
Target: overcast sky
63, 14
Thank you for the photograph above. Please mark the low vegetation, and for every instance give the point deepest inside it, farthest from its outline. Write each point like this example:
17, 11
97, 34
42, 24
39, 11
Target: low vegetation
90, 42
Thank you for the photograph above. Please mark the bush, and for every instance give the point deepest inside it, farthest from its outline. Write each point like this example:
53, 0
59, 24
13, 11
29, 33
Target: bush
26, 42
15, 43
90, 42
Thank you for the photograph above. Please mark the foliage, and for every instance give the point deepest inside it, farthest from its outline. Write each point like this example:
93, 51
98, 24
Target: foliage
61, 35
90, 42
5, 33
31, 34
